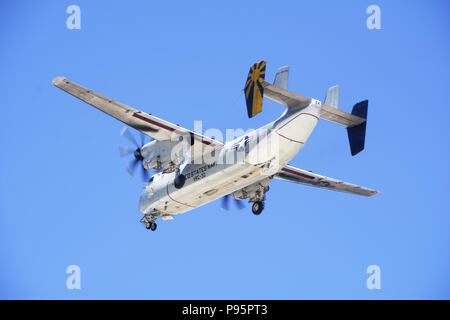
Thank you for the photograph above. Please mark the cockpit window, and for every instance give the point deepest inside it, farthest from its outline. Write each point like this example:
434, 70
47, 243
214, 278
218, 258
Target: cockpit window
151, 179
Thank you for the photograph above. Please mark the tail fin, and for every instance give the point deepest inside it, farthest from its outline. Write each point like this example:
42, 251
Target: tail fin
355, 122
332, 98
282, 78
357, 134
254, 90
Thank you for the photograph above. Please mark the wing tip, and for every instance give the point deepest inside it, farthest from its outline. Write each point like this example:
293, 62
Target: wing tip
58, 80
373, 192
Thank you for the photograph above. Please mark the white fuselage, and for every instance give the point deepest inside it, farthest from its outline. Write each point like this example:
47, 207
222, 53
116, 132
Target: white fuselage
269, 149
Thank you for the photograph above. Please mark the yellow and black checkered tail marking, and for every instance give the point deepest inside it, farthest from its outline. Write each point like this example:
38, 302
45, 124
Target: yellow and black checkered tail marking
254, 90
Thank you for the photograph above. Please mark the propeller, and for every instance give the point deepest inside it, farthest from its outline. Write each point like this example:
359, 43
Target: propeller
136, 151
226, 203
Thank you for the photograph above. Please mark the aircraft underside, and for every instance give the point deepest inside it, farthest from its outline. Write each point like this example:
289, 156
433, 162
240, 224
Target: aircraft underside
181, 185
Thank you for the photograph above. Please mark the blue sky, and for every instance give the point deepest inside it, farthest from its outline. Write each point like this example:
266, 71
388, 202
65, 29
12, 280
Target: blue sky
65, 197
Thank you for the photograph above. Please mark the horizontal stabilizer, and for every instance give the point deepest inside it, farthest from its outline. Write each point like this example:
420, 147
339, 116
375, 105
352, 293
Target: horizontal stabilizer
284, 97
340, 117
256, 88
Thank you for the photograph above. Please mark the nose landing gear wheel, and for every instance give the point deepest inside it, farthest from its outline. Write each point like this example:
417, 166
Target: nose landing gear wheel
151, 226
257, 207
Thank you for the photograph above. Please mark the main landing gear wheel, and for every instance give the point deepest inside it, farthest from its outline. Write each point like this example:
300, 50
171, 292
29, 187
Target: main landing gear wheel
257, 207
151, 226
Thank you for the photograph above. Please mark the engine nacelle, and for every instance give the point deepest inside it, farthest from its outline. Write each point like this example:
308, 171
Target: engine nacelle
164, 155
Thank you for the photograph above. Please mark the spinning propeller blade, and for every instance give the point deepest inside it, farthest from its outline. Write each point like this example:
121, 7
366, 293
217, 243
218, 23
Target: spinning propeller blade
125, 151
226, 203
136, 152
127, 134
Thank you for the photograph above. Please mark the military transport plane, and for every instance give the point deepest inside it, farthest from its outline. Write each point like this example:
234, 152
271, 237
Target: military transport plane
201, 171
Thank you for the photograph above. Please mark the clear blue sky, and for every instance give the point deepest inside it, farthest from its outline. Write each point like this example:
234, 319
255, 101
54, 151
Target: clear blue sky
65, 197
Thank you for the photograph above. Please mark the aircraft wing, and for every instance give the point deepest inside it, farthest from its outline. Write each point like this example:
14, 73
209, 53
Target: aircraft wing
149, 125
296, 175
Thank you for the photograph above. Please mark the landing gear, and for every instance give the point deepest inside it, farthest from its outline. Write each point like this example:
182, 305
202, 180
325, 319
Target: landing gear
257, 207
151, 226
149, 221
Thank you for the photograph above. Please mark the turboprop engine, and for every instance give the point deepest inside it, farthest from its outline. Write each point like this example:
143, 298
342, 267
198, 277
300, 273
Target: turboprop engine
163, 155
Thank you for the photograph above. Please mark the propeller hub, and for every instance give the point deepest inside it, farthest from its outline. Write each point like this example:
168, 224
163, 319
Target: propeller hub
138, 154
